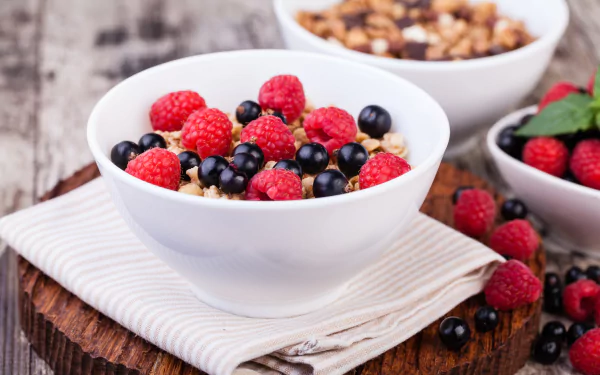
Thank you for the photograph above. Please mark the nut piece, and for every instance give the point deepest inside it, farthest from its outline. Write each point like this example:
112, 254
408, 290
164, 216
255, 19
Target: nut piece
193, 175
371, 144
360, 136
307, 187
394, 143
191, 189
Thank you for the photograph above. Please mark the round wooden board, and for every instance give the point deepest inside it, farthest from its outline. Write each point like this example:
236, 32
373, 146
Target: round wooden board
76, 339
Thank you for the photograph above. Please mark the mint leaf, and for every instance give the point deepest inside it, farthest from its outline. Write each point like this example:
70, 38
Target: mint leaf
570, 115
597, 85
598, 120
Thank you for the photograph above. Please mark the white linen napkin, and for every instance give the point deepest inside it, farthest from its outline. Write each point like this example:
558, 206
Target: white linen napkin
80, 240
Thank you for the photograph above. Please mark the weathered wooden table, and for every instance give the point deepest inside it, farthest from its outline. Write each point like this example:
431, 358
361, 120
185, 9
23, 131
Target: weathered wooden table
57, 57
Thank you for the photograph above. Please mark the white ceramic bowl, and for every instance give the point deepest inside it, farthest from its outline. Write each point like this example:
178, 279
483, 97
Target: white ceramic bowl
269, 259
473, 93
571, 211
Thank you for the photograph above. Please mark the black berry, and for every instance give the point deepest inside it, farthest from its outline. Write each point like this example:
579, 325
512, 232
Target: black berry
546, 351
555, 331
247, 163
513, 209
593, 273
553, 301
210, 169
280, 115
375, 121
313, 158
459, 191
351, 157
454, 332
188, 160
574, 274
552, 280
570, 177
232, 181
123, 152
247, 112
329, 183
486, 319
525, 120
290, 165
507, 257
151, 140
510, 143
250, 148
576, 331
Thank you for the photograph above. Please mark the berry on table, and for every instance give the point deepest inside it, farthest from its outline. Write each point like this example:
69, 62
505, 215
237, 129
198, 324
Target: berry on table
329, 183
208, 131
585, 163
272, 136
210, 170
290, 165
513, 209
374, 121
188, 160
283, 94
124, 152
274, 185
486, 319
474, 213
585, 353
246, 163
579, 299
593, 273
574, 274
557, 92
553, 300
171, 111
546, 350
151, 140
351, 157
383, 167
459, 191
454, 333
552, 280
516, 238
576, 330
546, 154
555, 330
250, 148
313, 157
157, 166
508, 142
511, 286
330, 126
232, 180
247, 112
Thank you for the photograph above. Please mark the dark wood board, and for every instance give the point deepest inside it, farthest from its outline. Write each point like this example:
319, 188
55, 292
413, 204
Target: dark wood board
73, 338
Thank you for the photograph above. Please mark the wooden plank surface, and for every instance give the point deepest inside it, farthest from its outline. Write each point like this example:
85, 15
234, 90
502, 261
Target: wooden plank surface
57, 57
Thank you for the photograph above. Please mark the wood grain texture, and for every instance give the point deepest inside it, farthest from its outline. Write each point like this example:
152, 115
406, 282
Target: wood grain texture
76, 339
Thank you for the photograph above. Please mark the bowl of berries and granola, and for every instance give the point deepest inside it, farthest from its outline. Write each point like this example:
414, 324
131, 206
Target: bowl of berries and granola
550, 156
267, 179
478, 59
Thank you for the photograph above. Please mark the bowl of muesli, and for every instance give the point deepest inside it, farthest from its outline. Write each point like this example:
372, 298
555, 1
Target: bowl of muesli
267, 179
478, 59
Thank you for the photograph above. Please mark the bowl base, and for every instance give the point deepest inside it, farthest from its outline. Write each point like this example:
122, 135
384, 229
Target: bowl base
267, 310
559, 244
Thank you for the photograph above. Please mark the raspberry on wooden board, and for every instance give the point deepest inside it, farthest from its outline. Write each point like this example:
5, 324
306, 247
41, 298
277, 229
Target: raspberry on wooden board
474, 212
511, 286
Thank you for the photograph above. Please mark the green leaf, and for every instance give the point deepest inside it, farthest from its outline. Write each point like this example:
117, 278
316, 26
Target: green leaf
570, 115
597, 85
598, 120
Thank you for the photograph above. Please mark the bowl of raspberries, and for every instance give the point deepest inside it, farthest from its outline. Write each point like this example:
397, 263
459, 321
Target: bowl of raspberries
550, 156
267, 179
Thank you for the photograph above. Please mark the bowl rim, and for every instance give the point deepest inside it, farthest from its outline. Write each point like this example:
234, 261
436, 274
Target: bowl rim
103, 160
540, 44
502, 157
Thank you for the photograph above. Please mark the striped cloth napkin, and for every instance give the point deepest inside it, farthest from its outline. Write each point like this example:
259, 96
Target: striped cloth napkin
80, 240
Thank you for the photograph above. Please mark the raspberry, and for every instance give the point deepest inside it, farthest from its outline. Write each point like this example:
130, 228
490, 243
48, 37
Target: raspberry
597, 311
547, 154
382, 168
332, 127
474, 212
283, 94
208, 131
591, 84
579, 299
272, 136
274, 185
511, 286
157, 166
169, 112
516, 239
585, 353
558, 92
585, 163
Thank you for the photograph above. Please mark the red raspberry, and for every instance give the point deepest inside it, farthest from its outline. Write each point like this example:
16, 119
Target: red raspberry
547, 154
585, 353
157, 166
558, 92
283, 94
585, 163
169, 112
208, 131
597, 311
274, 185
272, 136
474, 212
382, 168
516, 238
332, 127
579, 299
591, 84
511, 286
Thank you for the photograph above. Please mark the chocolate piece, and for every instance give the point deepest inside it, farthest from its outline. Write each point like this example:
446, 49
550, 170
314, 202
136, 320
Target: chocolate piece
355, 19
404, 22
416, 3
429, 15
416, 51
364, 48
464, 13
396, 47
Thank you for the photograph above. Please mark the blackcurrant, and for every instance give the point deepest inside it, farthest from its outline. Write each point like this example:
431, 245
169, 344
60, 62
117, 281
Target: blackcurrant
459, 191
280, 115
555, 330
123, 152
486, 319
247, 112
574, 274
290, 165
151, 140
552, 280
247, 163
329, 183
210, 169
546, 351
313, 158
351, 157
510, 143
250, 148
232, 181
513, 209
576, 331
188, 160
593, 273
525, 120
553, 300
454, 332
375, 121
